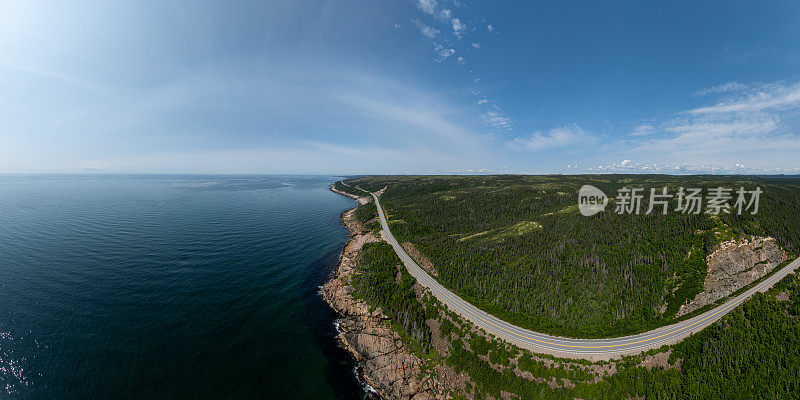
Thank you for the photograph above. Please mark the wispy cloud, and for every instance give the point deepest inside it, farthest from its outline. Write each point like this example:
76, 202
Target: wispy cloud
558, 137
426, 30
424, 114
751, 125
706, 136
498, 120
440, 19
643, 130
427, 6
372, 117
442, 52
442, 47
739, 53
458, 27
765, 97
724, 88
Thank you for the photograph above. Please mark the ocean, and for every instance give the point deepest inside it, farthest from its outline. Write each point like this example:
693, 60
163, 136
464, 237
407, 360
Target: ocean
170, 287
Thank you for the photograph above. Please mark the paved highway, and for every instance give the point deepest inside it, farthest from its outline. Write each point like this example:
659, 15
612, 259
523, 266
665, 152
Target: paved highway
592, 349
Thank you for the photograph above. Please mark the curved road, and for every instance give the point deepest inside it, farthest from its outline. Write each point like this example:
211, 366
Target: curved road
591, 349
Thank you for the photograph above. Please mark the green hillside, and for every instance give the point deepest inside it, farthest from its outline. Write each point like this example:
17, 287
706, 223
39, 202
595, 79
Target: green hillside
517, 246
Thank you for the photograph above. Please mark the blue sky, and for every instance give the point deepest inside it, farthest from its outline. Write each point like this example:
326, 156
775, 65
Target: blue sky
422, 86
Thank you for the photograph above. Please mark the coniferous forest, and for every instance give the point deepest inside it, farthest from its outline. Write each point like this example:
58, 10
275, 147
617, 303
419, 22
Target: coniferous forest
751, 353
517, 246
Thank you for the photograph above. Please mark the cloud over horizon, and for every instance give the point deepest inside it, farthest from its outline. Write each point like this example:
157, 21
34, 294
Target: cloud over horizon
570, 135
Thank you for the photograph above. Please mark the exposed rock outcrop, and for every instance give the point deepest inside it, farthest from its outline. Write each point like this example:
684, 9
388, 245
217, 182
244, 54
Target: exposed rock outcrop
734, 265
385, 363
419, 258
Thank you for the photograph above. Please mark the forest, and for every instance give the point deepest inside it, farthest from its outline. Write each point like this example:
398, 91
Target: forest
376, 282
517, 247
751, 353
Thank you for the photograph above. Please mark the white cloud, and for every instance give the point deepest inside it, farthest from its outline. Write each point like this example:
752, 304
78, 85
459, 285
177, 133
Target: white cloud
724, 88
458, 27
397, 26
754, 127
482, 101
633, 167
445, 14
490, 28
708, 136
765, 97
427, 6
558, 137
427, 31
643, 130
442, 52
498, 120
421, 117
476, 45
462, 60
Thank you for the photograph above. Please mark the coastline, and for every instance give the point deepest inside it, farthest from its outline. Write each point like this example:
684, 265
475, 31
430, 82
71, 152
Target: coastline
361, 201
465, 361
385, 364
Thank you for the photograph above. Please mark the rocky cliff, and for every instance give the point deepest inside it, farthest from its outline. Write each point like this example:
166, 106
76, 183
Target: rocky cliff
734, 265
385, 363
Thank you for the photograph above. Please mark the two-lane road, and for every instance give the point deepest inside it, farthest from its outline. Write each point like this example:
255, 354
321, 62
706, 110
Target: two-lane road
592, 349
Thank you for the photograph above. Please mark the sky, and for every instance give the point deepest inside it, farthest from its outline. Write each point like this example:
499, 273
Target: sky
396, 87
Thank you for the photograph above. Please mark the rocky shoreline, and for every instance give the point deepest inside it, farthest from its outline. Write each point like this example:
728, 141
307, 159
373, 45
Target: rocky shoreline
385, 364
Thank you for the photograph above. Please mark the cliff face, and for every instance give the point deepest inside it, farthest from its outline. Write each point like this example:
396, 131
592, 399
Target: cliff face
734, 265
420, 259
386, 364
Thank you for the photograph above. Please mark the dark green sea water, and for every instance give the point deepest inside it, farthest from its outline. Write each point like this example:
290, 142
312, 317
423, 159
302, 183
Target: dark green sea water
169, 287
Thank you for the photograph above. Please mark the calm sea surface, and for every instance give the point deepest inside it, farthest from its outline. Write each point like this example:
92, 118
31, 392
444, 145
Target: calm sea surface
169, 286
